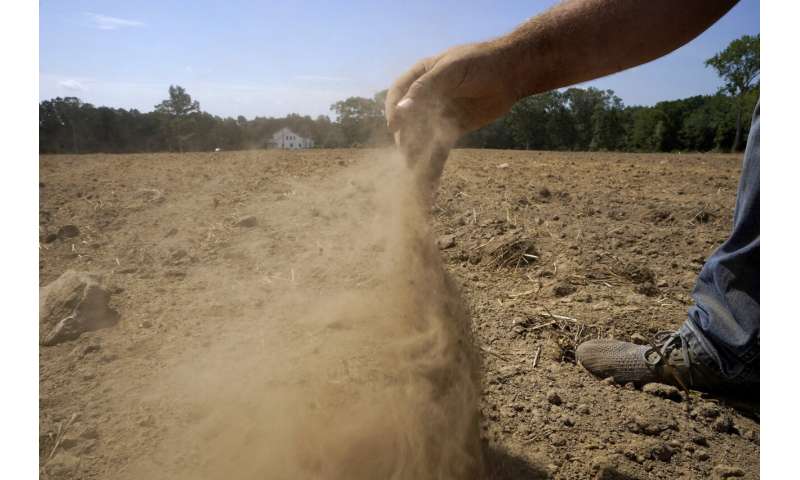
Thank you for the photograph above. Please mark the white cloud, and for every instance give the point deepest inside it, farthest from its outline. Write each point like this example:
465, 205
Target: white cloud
105, 22
72, 84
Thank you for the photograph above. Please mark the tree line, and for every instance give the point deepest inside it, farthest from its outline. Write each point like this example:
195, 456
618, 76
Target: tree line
591, 119
581, 119
68, 125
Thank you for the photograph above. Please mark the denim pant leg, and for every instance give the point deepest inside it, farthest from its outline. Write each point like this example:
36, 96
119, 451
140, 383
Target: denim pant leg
722, 330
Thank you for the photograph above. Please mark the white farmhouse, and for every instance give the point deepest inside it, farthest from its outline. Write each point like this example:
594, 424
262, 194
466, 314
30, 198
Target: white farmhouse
285, 138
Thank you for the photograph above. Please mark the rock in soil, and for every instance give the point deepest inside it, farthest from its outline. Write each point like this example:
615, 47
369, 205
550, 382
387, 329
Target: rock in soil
75, 303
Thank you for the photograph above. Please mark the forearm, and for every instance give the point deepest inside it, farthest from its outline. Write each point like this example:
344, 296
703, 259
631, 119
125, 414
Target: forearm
580, 40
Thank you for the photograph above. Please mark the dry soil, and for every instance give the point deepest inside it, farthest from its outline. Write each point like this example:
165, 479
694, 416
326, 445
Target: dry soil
205, 254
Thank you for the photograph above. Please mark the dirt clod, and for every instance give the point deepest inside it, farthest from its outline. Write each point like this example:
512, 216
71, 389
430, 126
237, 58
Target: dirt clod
708, 410
248, 221
724, 424
635, 273
609, 381
662, 451
605, 468
446, 241
68, 231
702, 216
75, 303
563, 289
721, 472
544, 193
648, 289
651, 424
62, 465
663, 391
553, 397
660, 216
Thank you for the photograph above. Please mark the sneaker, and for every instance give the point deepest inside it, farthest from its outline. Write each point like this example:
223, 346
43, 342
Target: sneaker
667, 360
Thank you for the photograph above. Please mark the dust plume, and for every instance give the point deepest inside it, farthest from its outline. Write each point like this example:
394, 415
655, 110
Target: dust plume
364, 371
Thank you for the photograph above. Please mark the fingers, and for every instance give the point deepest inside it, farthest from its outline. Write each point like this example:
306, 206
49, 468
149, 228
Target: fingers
398, 91
415, 115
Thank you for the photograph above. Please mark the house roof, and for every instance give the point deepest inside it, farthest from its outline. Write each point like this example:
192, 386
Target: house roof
289, 131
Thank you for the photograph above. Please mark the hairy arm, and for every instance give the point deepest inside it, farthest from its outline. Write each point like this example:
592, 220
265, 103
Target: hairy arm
575, 41
580, 40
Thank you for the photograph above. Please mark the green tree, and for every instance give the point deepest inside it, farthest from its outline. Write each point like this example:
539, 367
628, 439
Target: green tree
608, 128
582, 104
647, 129
561, 129
739, 65
527, 121
66, 123
362, 120
177, 112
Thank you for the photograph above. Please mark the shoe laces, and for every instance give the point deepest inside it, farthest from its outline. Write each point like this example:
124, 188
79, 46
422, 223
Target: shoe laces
664, 343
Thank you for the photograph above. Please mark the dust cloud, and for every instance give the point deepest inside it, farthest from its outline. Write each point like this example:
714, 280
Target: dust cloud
374, 379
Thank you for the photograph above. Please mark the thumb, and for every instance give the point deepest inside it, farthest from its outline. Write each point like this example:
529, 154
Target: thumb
411, 104
396, 117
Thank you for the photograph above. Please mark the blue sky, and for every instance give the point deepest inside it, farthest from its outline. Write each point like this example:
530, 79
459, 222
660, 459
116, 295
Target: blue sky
272, 58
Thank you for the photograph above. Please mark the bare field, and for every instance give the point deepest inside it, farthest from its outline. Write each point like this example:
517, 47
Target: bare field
211, 255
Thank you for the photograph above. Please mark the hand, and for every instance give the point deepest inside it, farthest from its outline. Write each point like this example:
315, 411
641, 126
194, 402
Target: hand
453, 93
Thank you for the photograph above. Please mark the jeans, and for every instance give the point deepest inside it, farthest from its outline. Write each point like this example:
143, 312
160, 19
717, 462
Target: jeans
722, 331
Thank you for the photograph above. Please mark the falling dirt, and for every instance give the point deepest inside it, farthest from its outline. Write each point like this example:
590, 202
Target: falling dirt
326, 337
363, 379
372, 379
